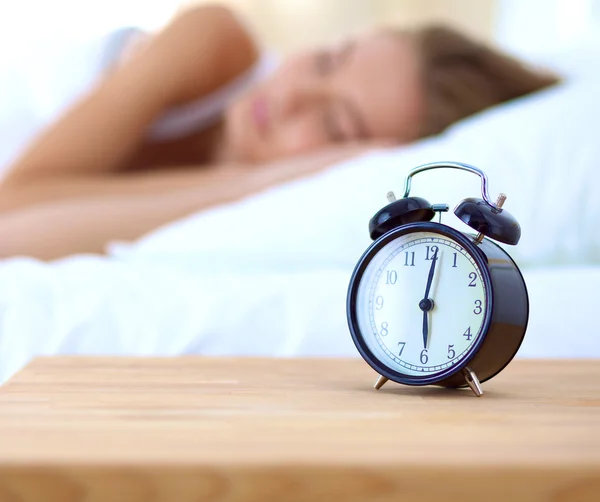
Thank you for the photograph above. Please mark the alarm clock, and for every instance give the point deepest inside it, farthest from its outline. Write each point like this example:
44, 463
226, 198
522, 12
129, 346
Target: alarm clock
430, 305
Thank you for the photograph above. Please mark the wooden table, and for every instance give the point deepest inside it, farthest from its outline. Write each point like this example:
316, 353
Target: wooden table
193, 429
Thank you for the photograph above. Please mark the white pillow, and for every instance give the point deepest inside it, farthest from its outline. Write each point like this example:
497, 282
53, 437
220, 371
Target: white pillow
543, 151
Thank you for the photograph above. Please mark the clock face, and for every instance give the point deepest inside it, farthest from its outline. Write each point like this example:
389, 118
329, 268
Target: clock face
421, 304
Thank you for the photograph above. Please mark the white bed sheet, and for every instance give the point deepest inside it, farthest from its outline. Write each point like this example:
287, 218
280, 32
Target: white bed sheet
93, 305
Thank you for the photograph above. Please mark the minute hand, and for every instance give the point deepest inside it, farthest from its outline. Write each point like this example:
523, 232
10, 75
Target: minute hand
430, 277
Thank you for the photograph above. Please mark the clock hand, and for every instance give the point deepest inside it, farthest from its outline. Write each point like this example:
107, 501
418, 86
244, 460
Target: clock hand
426, 304
430, 277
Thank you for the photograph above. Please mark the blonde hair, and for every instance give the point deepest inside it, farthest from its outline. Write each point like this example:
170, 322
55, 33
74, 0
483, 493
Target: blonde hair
461, 77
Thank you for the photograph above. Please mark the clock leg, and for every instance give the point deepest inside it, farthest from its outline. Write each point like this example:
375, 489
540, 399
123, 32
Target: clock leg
380, 382
472, 381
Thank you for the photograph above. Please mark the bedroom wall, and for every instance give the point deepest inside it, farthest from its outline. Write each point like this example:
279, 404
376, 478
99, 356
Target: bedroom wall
530, 26
288, 24
539, 26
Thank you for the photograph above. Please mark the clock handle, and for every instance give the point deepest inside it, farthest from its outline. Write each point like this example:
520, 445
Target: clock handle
452, 165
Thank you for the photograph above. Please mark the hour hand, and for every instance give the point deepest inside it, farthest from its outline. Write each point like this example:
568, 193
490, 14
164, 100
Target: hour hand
426, 305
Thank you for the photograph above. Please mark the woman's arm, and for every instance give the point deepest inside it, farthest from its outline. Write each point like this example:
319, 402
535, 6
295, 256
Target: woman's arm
83, 215
243, 179
198, 52
87, 224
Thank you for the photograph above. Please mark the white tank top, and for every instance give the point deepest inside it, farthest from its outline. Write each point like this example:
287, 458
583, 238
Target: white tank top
197, 115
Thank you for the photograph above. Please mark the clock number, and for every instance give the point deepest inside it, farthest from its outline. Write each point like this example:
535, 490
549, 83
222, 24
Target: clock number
412, 259
401, 348
473, 277
391, 277
379, 302
433, 249
454, 264
384, 329
424, 356
477, 310
451, 353
467, 334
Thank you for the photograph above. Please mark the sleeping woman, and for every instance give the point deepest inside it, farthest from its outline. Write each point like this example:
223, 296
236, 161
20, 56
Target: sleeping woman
187, 119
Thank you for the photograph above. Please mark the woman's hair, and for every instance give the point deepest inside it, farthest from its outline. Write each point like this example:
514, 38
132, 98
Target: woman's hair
461, 77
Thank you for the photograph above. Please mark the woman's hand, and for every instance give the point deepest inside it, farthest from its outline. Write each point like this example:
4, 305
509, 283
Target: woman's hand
292, 168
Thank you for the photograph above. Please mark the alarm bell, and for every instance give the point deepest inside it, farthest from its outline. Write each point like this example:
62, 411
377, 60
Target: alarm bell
399, 212
497, 224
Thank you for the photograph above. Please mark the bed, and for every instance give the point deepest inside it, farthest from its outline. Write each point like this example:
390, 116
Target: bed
274, 283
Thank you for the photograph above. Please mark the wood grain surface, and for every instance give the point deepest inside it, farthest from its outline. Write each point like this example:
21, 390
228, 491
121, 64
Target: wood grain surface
192, 429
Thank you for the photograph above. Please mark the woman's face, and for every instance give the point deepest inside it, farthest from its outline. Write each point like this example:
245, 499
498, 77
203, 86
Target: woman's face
366, 89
